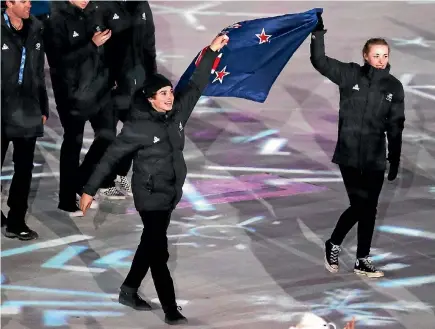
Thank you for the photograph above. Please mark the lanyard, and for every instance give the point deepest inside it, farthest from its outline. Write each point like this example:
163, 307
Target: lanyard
23, 55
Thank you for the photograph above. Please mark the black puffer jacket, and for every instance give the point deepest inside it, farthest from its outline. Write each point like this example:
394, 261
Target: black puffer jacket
131, 50
79, 73
371, 105
23, 105
157, 141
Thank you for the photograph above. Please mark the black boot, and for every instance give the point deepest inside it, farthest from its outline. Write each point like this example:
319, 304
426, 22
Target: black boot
129, 297
173, 315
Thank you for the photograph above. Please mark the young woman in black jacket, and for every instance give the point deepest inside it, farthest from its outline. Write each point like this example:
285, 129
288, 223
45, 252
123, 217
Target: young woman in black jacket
371, 107
154, 134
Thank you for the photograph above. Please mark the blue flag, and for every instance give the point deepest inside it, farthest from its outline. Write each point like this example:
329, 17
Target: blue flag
256, 53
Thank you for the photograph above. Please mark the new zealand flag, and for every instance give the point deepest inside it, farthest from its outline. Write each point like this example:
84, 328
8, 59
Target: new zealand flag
256, 53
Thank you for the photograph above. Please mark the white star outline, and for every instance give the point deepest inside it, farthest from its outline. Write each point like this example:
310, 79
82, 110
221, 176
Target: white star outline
263, 33
220, 72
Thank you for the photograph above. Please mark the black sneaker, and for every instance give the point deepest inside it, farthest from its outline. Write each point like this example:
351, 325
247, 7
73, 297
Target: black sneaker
134, 301
173, 315
331, 256
23, 234
364, 266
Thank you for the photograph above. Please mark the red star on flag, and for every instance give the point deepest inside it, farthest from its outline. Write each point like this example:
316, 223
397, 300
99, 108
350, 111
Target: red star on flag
263, 37
220, 75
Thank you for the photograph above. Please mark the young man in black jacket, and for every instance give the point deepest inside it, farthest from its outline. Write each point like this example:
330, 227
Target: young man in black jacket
155, 136
131, 55
80, 79
371, 106
24, 106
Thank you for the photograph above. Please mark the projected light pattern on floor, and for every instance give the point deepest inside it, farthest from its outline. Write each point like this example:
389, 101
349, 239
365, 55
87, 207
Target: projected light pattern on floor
349, 303
405, 231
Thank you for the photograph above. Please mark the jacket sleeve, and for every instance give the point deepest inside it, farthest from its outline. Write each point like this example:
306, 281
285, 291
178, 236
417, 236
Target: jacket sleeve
336, 71
128, 141
186, 99
395, 126
42, 89
149, 51
57, 48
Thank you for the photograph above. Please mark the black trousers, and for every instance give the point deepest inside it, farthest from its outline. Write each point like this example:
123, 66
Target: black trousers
152, 253
363, 189
74, 176
125, 163
24, 150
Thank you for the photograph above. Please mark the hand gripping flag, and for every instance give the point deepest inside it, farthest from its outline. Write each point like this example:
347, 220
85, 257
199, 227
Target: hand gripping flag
256, 53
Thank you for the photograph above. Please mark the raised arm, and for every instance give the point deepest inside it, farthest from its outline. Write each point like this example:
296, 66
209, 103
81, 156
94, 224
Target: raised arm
395, 126
186, 99
338, 72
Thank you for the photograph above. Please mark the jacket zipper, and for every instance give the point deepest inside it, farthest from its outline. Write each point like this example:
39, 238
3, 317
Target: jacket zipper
360, 164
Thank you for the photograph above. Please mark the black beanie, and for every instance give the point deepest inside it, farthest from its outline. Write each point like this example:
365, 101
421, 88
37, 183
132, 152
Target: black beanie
154, 83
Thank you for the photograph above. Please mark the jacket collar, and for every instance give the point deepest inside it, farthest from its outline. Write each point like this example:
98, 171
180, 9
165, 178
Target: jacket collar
68, 8
373, 73
142, 109
33, 23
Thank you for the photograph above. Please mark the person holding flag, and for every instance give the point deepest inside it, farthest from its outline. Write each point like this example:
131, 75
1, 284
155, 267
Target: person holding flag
371, 107
154, 134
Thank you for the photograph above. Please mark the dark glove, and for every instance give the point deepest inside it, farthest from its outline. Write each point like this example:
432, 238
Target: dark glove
394, 169
319, 26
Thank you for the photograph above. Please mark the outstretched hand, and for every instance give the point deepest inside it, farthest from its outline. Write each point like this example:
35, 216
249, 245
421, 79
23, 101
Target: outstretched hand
319, 26
219, 42
85, 202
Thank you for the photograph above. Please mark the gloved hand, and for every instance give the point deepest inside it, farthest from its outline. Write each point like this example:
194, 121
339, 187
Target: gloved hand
319, 26
394, 169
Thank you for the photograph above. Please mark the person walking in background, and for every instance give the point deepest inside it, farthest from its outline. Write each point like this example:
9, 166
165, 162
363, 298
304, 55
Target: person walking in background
80, 80
24, 107
131, 55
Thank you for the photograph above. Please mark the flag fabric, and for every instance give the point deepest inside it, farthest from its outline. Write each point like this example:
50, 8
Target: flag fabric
255, 55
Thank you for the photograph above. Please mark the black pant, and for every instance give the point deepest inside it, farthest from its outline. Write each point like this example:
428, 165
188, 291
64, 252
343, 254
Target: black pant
125, 163
74, 176
363, 189
152, 252
24, 150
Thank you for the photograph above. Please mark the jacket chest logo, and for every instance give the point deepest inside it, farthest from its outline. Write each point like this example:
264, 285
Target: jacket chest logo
180, 127
156, 139
389, 97
38, 46
115, 16
356, 87
144, 17
75, 34
5, 47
